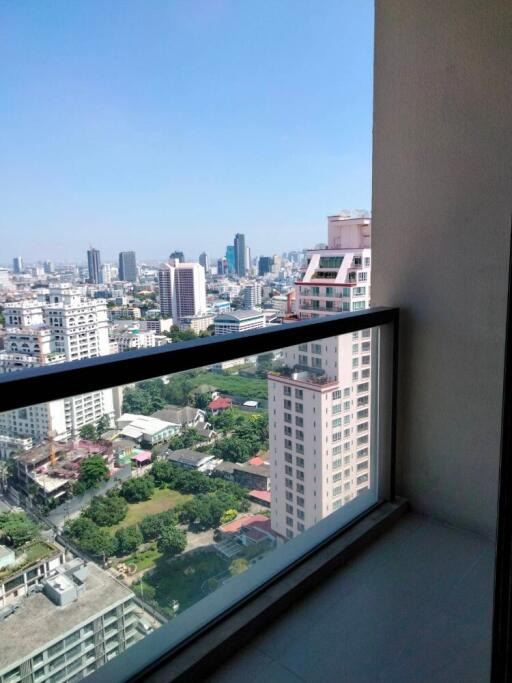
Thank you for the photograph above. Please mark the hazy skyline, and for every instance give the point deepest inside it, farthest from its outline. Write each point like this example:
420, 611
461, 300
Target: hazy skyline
168, 125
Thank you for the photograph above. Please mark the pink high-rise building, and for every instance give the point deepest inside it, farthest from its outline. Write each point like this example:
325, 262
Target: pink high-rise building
319, 406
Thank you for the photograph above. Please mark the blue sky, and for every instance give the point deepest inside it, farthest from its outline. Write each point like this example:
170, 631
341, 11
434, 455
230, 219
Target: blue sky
157, 125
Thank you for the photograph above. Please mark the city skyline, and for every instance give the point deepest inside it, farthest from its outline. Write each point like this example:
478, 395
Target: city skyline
128, 144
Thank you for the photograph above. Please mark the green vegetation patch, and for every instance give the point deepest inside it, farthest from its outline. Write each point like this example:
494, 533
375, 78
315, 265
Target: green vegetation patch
183, 579
160, 501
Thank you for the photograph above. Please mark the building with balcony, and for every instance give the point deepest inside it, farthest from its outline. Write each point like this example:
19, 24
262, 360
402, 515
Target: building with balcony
182, 289
326, 385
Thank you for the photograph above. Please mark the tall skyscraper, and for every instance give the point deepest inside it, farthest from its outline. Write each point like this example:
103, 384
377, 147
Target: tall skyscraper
178, 255
230, 258
94, 266
240, 255
49, 267
319, 427
265, 265
127, 266
204, 261
17, 265
182, 289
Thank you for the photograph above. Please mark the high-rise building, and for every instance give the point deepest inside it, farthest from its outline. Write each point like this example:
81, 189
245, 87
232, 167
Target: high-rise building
318, 464
49, 267
240, 255
94, 266
177, 255
204, 261
230, 258
265, 265
127, 266
17, 265
220, 266
252, 295
69, 327
182, 289
106, 273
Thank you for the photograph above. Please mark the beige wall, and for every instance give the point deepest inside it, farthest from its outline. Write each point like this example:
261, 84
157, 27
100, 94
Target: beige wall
442, 202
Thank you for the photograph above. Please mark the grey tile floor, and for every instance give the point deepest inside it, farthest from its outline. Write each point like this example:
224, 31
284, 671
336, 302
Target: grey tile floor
414, 607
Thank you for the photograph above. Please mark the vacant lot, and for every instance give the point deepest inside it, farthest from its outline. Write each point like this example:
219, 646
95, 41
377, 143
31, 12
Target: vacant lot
233, 384
160, 501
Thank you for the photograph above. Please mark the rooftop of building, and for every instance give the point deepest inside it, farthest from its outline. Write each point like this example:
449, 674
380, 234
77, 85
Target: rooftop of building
39, 622
238, 315
176, 414
187, 456
146, 424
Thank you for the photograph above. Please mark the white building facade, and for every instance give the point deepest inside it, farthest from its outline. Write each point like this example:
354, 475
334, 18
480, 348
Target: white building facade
319, 407
182, 288
68, 327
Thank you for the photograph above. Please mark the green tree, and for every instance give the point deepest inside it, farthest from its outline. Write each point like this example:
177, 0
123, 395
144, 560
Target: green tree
90, 537
238, 566
107, 510
138, 489
17, 528
152, 525
102, 426
201, 400
172, 541
163, 472
228, 516
264, 363
127, 540
185, 440
93, 470
88, 432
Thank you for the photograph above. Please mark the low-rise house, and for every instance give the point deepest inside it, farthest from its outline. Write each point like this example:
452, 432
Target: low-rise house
185, 416
251, 476
218, 405
192, 460
262, 497
146, 429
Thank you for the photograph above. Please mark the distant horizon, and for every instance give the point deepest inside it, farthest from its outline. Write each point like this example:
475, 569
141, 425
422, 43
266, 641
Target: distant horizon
163, 126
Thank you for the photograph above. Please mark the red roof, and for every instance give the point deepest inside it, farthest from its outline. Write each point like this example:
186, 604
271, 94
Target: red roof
260, 495
256, 461
259, 521
220, 403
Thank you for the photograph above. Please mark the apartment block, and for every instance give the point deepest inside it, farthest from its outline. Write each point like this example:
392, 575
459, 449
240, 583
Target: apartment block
75, 620
182, 289
319, 404
69, 326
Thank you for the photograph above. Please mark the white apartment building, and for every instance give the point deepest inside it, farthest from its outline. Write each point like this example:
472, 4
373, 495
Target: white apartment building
182, 288
319, 407
252, 295
69, 327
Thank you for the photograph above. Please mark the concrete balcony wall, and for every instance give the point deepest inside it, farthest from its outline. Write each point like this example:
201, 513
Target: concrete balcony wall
442, 205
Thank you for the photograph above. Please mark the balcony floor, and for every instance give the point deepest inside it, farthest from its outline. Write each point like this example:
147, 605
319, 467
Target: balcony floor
415, 607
